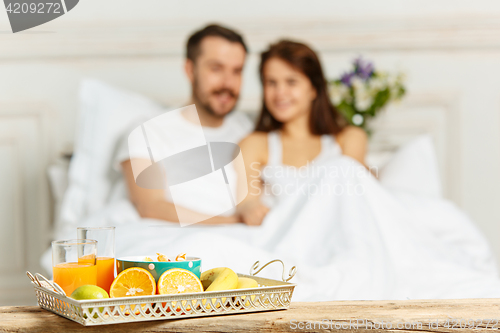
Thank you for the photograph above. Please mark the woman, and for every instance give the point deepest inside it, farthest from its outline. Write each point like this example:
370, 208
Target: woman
297, 122
373, 244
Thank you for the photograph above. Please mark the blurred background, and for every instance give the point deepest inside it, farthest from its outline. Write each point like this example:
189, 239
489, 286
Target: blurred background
449, 50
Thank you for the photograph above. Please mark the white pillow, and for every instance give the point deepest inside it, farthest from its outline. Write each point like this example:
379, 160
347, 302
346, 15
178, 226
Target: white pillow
106, 114
413, 168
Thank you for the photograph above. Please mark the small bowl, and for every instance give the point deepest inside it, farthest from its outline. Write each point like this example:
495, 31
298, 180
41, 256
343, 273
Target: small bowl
157, 268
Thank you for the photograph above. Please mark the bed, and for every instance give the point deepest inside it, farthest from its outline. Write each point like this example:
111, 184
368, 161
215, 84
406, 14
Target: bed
366, 247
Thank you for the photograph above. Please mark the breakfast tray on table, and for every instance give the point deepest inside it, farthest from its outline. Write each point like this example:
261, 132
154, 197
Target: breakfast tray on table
269, 295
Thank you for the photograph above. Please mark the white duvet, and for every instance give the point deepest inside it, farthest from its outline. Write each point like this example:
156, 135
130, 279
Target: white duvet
386, 243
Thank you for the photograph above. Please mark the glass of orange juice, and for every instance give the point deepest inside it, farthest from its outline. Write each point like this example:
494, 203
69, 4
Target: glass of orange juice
74, 263
105, 237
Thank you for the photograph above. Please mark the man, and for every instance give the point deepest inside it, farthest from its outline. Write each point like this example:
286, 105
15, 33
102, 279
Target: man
214, 63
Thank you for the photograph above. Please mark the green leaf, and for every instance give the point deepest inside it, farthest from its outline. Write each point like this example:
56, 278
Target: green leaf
347, 111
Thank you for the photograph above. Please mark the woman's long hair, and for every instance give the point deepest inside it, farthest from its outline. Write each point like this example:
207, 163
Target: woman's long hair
324, 117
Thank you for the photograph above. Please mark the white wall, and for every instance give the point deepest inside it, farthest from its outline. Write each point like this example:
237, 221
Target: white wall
450, 51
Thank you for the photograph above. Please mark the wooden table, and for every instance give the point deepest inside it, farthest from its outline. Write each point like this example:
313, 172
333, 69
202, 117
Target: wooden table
338, 316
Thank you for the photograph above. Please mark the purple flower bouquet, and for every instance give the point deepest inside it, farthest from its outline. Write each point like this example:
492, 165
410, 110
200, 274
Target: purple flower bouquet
362, 92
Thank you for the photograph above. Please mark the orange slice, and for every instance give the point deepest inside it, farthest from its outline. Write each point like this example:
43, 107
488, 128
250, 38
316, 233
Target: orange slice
133, 281
179, 281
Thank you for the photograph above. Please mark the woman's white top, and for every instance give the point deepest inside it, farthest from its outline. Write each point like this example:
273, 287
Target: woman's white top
281, 179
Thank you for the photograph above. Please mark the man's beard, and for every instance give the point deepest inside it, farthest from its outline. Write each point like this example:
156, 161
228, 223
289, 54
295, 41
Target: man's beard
204, 103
